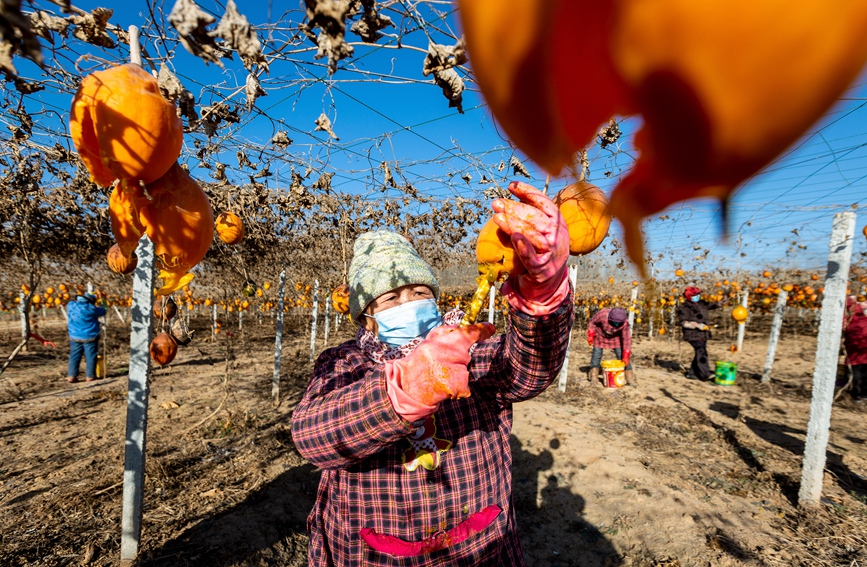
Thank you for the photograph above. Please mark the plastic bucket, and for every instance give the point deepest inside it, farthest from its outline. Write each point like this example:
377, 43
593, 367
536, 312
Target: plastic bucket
726, 372
614, 377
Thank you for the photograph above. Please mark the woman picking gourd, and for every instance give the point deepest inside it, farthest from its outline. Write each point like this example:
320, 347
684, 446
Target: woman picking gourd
410, 421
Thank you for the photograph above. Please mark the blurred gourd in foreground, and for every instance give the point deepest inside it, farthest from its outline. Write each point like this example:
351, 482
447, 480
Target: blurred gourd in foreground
722, 87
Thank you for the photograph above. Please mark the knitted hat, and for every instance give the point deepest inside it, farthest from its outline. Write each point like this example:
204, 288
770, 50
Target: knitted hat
382, 261
690, 291
617, 315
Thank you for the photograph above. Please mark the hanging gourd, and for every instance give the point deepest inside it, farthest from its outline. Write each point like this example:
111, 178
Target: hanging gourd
230, 228
122, 126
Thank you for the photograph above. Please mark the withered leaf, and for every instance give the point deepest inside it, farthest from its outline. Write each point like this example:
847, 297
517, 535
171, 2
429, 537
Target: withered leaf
330, 17
17, 35
90, 27
44, 23
452, 86
253, 90
191, 24
518, 167
324, 123
442, 57
281, 140
172, 88
370, 23
238, 34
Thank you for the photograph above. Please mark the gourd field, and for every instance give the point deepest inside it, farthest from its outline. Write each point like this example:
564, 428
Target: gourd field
203, 168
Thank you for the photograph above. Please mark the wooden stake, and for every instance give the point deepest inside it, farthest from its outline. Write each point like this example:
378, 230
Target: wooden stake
779, 313
827, 349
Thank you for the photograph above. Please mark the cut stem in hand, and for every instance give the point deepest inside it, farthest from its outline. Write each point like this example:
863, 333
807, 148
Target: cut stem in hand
485, 280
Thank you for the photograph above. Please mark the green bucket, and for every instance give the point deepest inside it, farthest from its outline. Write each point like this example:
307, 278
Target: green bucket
726, 372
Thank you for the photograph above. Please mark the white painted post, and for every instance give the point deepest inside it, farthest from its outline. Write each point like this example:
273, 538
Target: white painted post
564, 372
313, 322
89, 287
22, 309
214, 320
119, 316
141, 334
827, 349
633, 299
779, 313
492, 298
327, 320
63, 310
742, 327
240, 318
278, 341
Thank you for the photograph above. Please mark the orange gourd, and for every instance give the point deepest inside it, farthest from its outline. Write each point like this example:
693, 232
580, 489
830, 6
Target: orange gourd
740, 313
176, 215
679, 273
230, 228
340, 299
119, 262
163, 349
494, 252
122, 126
585, 209
683, 66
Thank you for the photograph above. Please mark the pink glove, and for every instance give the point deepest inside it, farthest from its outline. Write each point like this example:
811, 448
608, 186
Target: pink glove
626, 356
590, 336
437, 369
541, 240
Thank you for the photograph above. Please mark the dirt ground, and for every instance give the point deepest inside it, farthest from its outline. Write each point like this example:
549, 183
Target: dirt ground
669, 473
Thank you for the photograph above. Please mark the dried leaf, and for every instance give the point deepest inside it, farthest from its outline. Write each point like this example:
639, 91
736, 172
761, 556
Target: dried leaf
370, 23
172, 88
243, 160
324, 123
90, 27
518, 167
441, 57
170, 405
191, 24
44, 23
253, 90
281, 140
238, 34
323, 183
17, 36
453, 87
330, 17
389, 178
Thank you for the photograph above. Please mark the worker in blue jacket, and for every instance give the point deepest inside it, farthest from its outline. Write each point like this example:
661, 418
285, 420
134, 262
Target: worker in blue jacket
83, 326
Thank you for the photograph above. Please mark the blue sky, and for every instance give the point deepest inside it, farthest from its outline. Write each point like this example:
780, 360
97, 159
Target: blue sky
383, 108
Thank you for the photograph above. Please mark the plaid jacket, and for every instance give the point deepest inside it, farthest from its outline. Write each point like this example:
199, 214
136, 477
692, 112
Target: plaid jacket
608, 336
417, 480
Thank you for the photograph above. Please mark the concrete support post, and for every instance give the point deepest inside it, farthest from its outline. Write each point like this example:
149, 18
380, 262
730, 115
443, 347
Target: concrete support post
278, 341
827, 349
779, 313
632, 301
742, 327
492, 298
313, 319
564, 372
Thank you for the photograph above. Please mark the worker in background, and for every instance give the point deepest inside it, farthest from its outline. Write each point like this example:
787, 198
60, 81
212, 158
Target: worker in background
83, 327
609, 328
855, 340
694, 318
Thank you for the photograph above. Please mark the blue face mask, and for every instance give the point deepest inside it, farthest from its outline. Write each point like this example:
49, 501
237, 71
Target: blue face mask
695, 298
401, 324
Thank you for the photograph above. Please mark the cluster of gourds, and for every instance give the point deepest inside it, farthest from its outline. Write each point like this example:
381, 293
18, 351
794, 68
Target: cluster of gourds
129, 135
584, 208
721, 87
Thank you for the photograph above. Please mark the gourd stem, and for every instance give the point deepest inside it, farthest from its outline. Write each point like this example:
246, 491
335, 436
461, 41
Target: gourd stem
485, 280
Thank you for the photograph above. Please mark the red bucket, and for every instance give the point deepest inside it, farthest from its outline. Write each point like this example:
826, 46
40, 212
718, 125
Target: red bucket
614, 373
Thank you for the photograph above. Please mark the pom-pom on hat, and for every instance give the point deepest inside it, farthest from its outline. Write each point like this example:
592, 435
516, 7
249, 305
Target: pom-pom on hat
382, 261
